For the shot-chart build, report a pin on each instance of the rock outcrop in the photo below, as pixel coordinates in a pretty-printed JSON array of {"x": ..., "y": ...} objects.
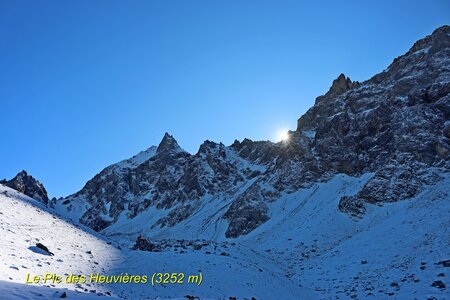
[{"x": 26, "y": 184}]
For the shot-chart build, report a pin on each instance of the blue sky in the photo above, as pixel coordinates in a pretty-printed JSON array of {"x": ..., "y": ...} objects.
[{"x": 84, "y": 84}]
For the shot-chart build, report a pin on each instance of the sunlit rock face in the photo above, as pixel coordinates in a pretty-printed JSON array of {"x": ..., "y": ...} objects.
[{"x": 394, "y": 125}]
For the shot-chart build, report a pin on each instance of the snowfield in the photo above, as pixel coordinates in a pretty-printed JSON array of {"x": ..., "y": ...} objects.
[
  {"x": 25, "y": 222},
  {"x": 393, "y": 252}
]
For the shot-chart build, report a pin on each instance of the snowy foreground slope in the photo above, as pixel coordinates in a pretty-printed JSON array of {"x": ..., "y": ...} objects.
[
  {"x": 307, "y": 250},
  {"x": 24, "y": 222}
]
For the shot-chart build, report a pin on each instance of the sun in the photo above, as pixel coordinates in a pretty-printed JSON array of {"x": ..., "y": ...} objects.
[{"x": 283, "y": 135}]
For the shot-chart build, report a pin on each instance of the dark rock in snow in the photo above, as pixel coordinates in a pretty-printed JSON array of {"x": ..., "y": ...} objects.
[
  {"x": 439, "y": 284},
  {"x": 42, "y": 247},
  {"x": 144, "y": 245},
  {"x": 445, "y": 263}
]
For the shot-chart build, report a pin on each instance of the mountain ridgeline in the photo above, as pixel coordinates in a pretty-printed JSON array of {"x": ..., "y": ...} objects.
[{"x": 394, "y": 126}]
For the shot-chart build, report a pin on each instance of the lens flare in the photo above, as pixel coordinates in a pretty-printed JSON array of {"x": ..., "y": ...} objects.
[{"x": 283, "y": 135}]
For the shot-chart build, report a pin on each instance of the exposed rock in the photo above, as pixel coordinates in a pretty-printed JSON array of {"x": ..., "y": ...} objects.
[
  {"x": 352, "y": 205},
  {"x": 42, "y": 247},
  {"x": 26, "y": 184},
  {"x": 341, "y": 85},
  {"x": 439, "y": 284},
  {"x": 445, "y": 263},
  {"x": 144, "y": 245},
  {"x": 169, "y": 145},
  {"x": 246, "y": 213}
]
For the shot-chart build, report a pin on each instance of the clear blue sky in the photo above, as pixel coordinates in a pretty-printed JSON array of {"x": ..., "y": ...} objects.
[{"x": 84, "y": 84}]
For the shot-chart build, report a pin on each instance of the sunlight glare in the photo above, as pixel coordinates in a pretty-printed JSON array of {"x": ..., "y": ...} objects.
[{"x": 283, "y": 135}]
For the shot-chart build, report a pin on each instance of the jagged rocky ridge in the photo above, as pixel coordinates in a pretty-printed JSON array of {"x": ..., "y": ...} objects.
[
  {"x": 394, "y": 125},
  {"x": 28, "y": 185}
]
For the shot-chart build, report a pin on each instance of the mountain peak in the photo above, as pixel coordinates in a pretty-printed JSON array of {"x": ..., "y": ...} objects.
[
  {"x": 22, "y": 173},
  {"x": 340, "y": 85},
  {"x": 168, "y": 144},
  {"x": 434, "y": 42},
  {"x": 27, "y": 185}
]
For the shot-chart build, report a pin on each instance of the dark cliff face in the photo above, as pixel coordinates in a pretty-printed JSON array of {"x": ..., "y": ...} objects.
[
  {"x": 394, "y": 125},
  {"x": 26, "y": 184}
]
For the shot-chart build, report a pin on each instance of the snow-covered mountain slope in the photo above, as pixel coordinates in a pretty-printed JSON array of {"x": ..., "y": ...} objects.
[
  {"x": 17, "y": 291},
  {"x": 394, "y": 251},
  {"x": 227, "y": 270},
  {"x": 24, "y": 222},
  {"x": 394, "y": 125}
]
